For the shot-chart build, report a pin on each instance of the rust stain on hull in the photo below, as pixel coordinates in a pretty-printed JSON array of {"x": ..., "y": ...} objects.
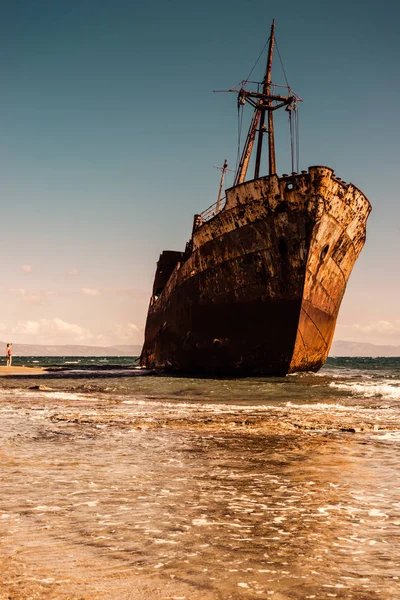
[{"x": 259, "y": 287}]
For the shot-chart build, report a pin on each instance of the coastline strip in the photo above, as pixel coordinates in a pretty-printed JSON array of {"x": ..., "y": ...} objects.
[{"x": 4, "y": 371}]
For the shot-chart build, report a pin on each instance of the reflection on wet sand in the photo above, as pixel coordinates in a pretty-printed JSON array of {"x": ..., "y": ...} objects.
[{"x": 116, "y": 498}]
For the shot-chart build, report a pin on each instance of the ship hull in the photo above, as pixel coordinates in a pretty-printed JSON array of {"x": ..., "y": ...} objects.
[{"x": 258, "y": 290}]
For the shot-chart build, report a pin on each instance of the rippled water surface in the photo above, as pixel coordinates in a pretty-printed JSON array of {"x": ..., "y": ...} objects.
[{"x": 118, "y": 484}]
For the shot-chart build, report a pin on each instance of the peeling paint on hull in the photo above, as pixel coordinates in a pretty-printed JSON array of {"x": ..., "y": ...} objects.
[{"x": 258, "y": 290}]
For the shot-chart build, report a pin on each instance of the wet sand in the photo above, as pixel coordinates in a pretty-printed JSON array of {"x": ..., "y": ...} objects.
[
  {"x": 103, "y": 497},
  {"x": 21, "y": 371}
]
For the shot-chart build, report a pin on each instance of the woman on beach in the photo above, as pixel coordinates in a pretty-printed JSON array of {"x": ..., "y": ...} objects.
[{"x": 9, "y": 355}]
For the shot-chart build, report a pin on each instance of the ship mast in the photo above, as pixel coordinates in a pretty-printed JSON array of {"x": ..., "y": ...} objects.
[
  {"x": 262, "y": 102},
  {"x": 261, "y": 130}
]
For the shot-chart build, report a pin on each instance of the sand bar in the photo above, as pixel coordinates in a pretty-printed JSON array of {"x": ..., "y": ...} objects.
[{"x": 21, "y": 370}]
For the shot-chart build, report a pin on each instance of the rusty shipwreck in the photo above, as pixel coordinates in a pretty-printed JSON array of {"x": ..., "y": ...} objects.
[{"x": 258, "y": 288}]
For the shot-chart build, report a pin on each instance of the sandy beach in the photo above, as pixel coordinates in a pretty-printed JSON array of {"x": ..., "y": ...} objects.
[
  {"x": 21, "y": 370},
  {"x": 164, "y": 488}
]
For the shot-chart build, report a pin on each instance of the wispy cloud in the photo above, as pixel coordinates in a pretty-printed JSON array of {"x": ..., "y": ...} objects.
[
  {"x": 47, "y": 331},
  {"x": 56, "y": 331},
  {"x": 26, "y": 268},
  {"x": 381, "y": 331},
  {"x": 133, "y": 292},
  {"x": 73, "y": 272},
  {"x": 90, "y": 292},
  {"x": 31, "y": 296},
  {"x": 128, "y": 333}
]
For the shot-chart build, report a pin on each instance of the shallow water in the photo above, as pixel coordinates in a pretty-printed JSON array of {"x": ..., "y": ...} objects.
[{"x": 119, "y": 485}]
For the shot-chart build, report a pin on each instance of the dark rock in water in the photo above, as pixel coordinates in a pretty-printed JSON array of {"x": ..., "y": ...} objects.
[{"x": 42, "y": 388}]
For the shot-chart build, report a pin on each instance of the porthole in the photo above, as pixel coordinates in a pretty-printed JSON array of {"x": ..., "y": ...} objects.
[
  {"x": 282, "y": 247},
  {"x": 290, "y": 186},
  {"x": 324, "y": 252}
]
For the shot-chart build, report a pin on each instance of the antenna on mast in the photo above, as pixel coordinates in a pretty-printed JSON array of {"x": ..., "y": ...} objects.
[{"x": 223, "y": 170}]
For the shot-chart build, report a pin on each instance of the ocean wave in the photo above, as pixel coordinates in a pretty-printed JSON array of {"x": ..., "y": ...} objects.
[
  {"x": 323, "y": 406},
  {"x": 55, "y": 395},
  {"x": 66, "y": 396},
  {"x": 225, "y": 408},
  {"x": 378, "y": 389},
  {"x": 389, "y": 435}
]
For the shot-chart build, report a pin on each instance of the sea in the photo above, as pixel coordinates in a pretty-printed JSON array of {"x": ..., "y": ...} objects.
[{"x": 117, "y": 482}]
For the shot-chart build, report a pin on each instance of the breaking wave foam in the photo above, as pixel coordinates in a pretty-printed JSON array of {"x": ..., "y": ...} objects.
[{"x": 370, "y": 390}]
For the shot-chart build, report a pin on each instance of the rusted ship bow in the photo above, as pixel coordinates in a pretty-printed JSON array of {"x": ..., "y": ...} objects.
[{"x": 258, "y": 289}]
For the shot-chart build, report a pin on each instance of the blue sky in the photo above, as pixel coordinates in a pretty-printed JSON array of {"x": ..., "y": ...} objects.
[{"x": 110, "y": 130}]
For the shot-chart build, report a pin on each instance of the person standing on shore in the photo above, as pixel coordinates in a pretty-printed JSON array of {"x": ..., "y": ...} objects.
[{"x": 9, "y": 355}]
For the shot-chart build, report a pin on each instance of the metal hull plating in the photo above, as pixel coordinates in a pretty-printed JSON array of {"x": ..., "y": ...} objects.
[{"x": 259, "y": 288}]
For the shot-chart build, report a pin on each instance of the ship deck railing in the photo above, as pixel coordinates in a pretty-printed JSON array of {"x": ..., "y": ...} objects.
[{"x": 212, "y": 210}]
